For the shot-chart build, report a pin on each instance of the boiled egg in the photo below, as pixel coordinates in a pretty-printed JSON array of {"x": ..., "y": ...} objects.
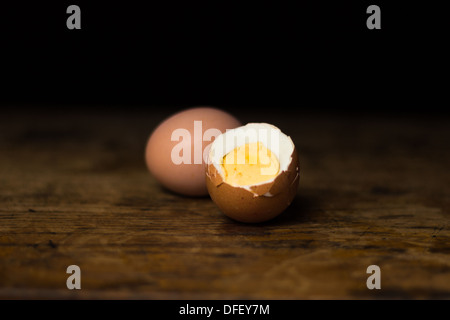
[
  {"x": 176, "y": 150},
  {"x": 253, "y": 172}
]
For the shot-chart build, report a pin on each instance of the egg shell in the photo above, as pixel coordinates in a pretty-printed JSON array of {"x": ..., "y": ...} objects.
[
  {"x": 256, "y": 205},
  {"x": 185, "y": 179}
]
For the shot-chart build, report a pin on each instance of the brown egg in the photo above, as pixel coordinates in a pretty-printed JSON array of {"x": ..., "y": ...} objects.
[
  {"x": 175, "y": 153},
  {"x": 240, "y": 191}
]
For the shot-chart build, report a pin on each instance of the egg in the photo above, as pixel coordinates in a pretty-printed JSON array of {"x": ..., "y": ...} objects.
[
  {"x": 253, "y": 172},
  {"x": 177, "y": 149}
]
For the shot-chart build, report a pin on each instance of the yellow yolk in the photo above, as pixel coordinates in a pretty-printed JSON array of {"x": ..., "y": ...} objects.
[{"x": 250, "y": 164}]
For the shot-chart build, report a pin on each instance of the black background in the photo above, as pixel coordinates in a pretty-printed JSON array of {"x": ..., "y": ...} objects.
[
  {"x": 351, "y": 309},
  {"x": 274, "y": 55},
  {"x": 280, "y": 56}
]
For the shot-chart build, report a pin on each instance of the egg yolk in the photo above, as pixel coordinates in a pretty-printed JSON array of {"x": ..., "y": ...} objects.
[{"x": 250, "y": 164}]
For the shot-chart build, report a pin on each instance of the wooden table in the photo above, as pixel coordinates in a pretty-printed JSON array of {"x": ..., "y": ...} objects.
[{"x": 74, "y": 190}]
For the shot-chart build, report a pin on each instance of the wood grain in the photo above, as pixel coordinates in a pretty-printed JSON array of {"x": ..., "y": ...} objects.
[{"x": 74, "y": 189}]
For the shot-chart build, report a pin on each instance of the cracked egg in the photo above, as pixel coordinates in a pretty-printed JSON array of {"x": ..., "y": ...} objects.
[{"x": 253, "y": 172}]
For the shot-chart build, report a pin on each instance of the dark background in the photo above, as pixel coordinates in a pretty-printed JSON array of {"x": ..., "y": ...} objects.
[
  {"x": 365, "y": 109},
  {"x": 277, "y": 55}
]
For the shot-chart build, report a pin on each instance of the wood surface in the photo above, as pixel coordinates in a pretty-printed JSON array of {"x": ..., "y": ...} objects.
[{"x": 74, "y": 190}]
